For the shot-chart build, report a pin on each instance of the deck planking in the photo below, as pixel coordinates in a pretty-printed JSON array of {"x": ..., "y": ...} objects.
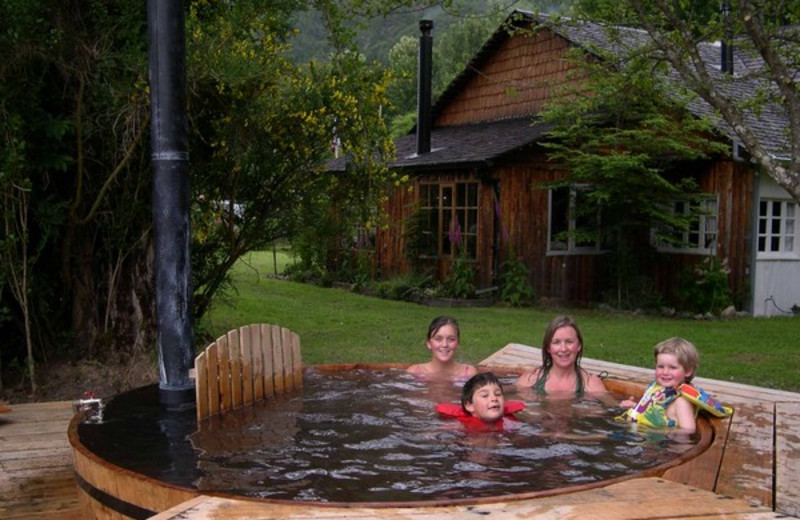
[
  {"x": 748, "y": 463},
  {"x": 635, "y": 499},
  {"x": 787, "y": 448},
  {"x": 36, "y": 477}
]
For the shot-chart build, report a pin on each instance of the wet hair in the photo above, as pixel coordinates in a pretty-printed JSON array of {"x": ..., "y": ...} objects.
[
  {"x": 439, "y": 322},
  {"x": 557, "y": 323},
  {"x": 685, "y": 352},
  {"x": 475, "y": 383}
]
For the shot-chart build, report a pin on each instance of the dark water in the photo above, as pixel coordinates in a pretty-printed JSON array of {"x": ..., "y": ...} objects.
[{"x": 371, "y": 435}]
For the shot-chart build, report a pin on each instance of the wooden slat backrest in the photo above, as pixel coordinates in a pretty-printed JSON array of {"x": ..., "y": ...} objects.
[
  {"x": 266, "y": 358},
  {"x": 235, "y": 363},
  {"x": 201, "y": 381},
  {"x": 277, "y": 361},
  {"x": 247, "y": 365},
  {"x": 224, "y": 374},
  {"x": 292, "y": 369},
  {"x": 256, "y": 364},
  {"x": 213, "y": 382},
  {"x": 246, "y": 355}
]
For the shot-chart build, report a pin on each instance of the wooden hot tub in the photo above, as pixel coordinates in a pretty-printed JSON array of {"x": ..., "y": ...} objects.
[{"x": 109, "y": 491}]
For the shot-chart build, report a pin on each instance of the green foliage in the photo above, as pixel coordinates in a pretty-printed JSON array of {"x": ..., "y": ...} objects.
[
  {"x": 628, "y": 154},
  {"x": 377, "y": 26},
  {"x": 515, "y": 284},
  {"x": 704, "y": 287},
  {"x": 415, "y": 243},
  {"x": 270, "y": 124},
  {"x": 638, "y": 293},
  {"x": 363, "y": 271},
  {"x": 410, "y": 287},
  {"x": 455, "y": 44},
  {"x": 74, "y": 113},
  {"x": 402, "y": 124},
  {"x": 73, "y": 108},
  {"x": 460, "y": 282},
  {"x": 676, "y": 31}
]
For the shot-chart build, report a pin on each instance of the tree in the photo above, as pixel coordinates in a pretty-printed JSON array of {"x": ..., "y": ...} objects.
[
  {"x": 74, "y": 128},
  {"x": 74, "y": 116},
  {"x": 622, "y": 153},
  {"x": 270, "y": 125},
  {"x": 14, "y": 248},
  {"x": 765, "y": 34},
  {"x": 454, "y": 46}
]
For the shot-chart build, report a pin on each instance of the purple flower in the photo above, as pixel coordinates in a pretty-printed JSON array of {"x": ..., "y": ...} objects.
[{"x": 456, "y": 233}]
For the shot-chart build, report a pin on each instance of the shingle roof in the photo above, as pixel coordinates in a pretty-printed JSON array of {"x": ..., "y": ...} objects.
[
  {"x": 471, "y": 144},
  {"x": 770, "y": 124}
]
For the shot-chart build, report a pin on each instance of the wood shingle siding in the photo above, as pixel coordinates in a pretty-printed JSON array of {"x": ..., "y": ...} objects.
[{"x": 518, "y": 80}]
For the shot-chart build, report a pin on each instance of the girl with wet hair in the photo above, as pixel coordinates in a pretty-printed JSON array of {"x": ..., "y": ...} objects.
[{"x": 443, "y": 341}]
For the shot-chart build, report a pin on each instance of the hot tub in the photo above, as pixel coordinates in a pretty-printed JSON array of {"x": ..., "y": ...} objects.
[{"x": 141, "y": 459}]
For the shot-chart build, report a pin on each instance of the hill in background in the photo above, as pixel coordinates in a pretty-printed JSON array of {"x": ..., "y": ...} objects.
[{"x": 379, "y": 35}]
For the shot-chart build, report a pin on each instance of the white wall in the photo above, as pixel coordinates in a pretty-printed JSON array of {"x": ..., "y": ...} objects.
[{"x": 776, "y": 281}]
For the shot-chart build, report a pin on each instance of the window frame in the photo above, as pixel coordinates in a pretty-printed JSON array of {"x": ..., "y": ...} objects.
[
  {"x": 451, "y": 202},
  {"x": 788, "y": 224},
  {"x": 570, "y": 224},
  {"x": 707, "y": 225}
]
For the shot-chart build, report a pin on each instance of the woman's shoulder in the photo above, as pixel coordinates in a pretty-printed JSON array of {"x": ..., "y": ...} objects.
[
  {"x": 529, "y": 377},
  {"x": 592, "y": 383}
]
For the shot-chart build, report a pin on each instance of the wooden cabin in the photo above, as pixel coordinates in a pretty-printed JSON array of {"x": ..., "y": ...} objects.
[{"x": 475, "y": 190}]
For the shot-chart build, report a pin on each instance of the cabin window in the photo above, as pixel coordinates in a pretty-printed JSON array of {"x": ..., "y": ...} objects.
[
  {"x": 572, "y": 229},
  {"x": 777, "y": 228},
  {"x": 700, "y": 236},
  {"x": 449, "y": 223}
]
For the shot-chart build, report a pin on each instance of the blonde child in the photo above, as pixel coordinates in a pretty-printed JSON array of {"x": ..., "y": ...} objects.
[{"x": 662, "y": 405}]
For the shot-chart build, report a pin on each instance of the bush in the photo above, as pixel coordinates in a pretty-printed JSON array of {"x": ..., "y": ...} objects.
[
  {"x": 638, "y": 292},
  {"x": 515, "y": 286},
  {"x": 460, "y": 283},
  {"x": 704, "y": 287},
  {"x": 406, "y": 288}
]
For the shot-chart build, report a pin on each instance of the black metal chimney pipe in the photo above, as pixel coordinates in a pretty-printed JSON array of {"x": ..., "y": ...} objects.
[
  {"x": 171, "y": 233},
  {"x": 726, "y": 54},
  {"x": 424, "y": 116}
]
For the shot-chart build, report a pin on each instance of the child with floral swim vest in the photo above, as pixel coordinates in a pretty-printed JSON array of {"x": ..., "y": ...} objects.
[
  {"x": 672, "y": 401},
  {"x": 483, "y": 406}
]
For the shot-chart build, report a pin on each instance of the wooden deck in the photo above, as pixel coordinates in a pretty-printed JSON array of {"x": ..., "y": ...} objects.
[
  {"x": 36, "y": 479},
  {"x": 751, "y": 471}
]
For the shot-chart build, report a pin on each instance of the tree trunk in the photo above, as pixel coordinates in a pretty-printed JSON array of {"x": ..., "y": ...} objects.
[{"x": 114, "y": 305}]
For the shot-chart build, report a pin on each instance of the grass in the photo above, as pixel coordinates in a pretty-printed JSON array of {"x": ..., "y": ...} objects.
[{"x": 337, "y": 326}]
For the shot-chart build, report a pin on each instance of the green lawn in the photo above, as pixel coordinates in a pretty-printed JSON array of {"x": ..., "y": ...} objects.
[{"x": 337, "y": 326}]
